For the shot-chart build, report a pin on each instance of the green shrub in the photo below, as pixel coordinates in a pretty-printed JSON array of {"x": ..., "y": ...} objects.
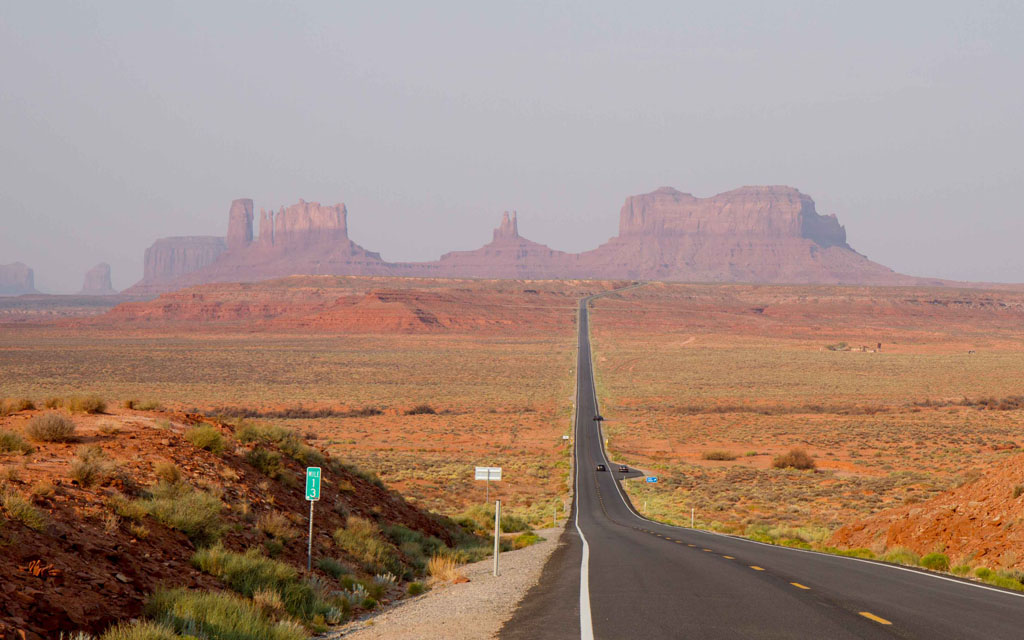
[
  {"x": 961, "y": 569},
  {"x": 131, "y": 509},
  {"x": 218, "y": 615},
  {"x": 276, "y": 525},
  {"x": 51, "y": 427},
  {"x": 794, "y": 459},
  {"x": 1018, "y": 490},
  {"x": 524, "y": 540},
  {"x": 206, "y": 437},
  {"x": 416, "y": 588},
  {"x": 289, "y": 442},
  {"x": 91, "y": 466},
  {"x": 144, "y": 405},
  {"x": 480, "y": 518},
  {"x": 935, "y": 562},
  {"x": 1000, "y": 579},
  {"x": 267, "y": 462},
  {"x": 273, "y": 547},
  {"x": 194, "y": 513},
  {"x": 168, "y": 472},
  {"x": 140, "y": 630},
  {"x": 331, "y": 567},
  {"x": 53, "y": 402},
  {"x": 11, "y": 442},
  {"x": 902, "y": 556},
  {"x": 18, "y": 508},
  {"x": 421, "y": 409},
  {"x": 250, "y": 572},
  {"x": 87, "y": 404},
  {"x": 718, "y": 454},
  {"x": 361, "y": 539}
]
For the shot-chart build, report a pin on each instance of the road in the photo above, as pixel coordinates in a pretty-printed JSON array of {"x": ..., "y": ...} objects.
[{"x": 618, "y": 575}]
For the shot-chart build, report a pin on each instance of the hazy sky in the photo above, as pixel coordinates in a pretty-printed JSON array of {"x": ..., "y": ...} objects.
[{"x": 121, "y": 122}]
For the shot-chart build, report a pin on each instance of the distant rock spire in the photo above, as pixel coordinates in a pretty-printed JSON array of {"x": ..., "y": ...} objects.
[
  {"x": 509, "y": 227},
  {"x": 240, "y": 224},
  {"x": 97, "y": 281}
]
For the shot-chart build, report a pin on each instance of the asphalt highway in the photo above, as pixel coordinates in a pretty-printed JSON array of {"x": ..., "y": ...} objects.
[{"x": 619, "y": 575}]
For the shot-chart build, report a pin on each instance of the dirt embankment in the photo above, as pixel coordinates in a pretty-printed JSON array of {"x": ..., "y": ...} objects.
[
  {"x": 978, "y": 523},
  {"x": 79, "y": 562}
]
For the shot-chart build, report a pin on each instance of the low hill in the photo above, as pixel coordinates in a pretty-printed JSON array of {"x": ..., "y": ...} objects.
[
  {"x": 126, "y": 504},
  {"x": 977, "y": 524}
]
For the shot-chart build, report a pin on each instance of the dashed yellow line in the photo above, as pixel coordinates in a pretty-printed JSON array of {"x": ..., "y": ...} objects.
[
  {"x": 871, "y": 616},
  {"x": 708, "y": 550},
  {"x": 692, "y": 545},
  {"x": 756, "y": 568},
  {"x": 729, "y": 557},
  {"x": 800, "y": 586}
]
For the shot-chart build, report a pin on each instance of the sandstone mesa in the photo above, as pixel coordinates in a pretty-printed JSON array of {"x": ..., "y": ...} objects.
[{"x": 768, "y": 234}]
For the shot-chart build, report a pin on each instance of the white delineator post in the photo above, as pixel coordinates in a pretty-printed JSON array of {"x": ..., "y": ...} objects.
[
  {"x": 309, "y": 550},
  {"x": 497, "y": 534},
  {"x": 691, "y": 517}
]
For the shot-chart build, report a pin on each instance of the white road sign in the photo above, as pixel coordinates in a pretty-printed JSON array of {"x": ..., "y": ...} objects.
[{"x": 488, "y": 473}]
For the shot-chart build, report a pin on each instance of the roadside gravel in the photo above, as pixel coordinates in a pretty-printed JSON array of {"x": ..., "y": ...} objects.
[{"x": 469, "y": 611}]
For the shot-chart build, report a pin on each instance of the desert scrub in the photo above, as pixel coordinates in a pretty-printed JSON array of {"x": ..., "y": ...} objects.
[
  {"x": 11, "y": 442},
  {"x": 206, "y": 437},
  {"x": 718, "y": 454},
  {"x": 250, "y": 572},
  {"x": 18, "y": 508},
  {"x": 167, "y": 471},
  {"x": 276, "y": 525},
  {"x": 208, "y": 614},
  {"x": 51, "y": 427},
  {"x": 142, "y": 405},
  {"x": 421, "y": 409},
  {"x": 524, "y": 540},
  {"x": 795, "y": 458},
  {"x": 332, "y": 567},
  {"x": 266, "y": 461},
  {"x": 902, "y": 556},
  {"x": 91, "y": 466},
  {"x": 361, "y": 539},
  {"x": 416, "y": 588},
  {"x": 182, "y": 507},
  {"x": 138, "y": 630},
  {"x": 480, "y": 519},
  {"x": 935, "y": 562},
  {"x": 86, "y": 404},
  {"x": 7, "y": 407},
  {"x": 443, "y": 568},
  {"x": 999, "y": 579},
  {"x": 286, "y": 440},
  {"x": 414, "y": 545}
]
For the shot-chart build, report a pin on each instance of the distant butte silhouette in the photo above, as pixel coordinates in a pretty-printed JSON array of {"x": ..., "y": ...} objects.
[{"x": 767, "y": 234}]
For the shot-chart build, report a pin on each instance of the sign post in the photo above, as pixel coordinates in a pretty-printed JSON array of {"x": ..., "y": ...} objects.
[
  {"x": 488, "y": 474},
  {"x": 312, "y": 494},
  {"x": 652, "y": 479},
  {"x": 497, "y": 534}
]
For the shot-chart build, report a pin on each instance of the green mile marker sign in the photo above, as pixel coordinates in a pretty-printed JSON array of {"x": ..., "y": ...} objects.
[{"x": 312, "y": 483}]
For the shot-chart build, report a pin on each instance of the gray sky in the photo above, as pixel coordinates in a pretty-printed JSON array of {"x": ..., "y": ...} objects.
[{"x": 121, "y": 122}]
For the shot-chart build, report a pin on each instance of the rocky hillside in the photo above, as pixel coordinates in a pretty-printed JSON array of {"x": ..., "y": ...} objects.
[
  {"x": 977, "y": 524},
  {"x": 753, "y": 234},
  {"x": 100, "y": 509}
]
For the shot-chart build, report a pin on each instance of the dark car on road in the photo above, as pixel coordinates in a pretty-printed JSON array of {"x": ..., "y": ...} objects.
[
  {"x": 601, "y": 467},
  {"x": 623, "y": 468}
]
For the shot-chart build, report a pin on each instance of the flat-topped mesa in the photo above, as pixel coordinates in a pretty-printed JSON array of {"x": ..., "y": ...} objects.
[
  {"x": 16, "y": 278},
  {"x": 97, "y": 281},
  {"x": 169, "y": 258},
  {"x": 308, "y": 223},
  {"x": 508, "y": 229},
  {"x": 765, "y": 212},
  {"x": 240, "y": 224}
]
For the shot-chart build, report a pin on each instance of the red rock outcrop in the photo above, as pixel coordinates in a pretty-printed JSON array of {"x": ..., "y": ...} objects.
[
  {"x": 240, "y": 224},
  {"x": 752, "y": 234},
  {"x": 972, "y": 523},
  {"x": 16, "y": 278},
  {"x": 97, "y": 281}
]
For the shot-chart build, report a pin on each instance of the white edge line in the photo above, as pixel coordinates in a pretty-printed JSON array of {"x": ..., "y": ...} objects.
[
  {"x": 886, "y": 565},
  {"x": 586, "y": 619}
]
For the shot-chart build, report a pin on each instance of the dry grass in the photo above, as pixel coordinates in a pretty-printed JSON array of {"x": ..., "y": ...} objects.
[
  {"x": 51, "y": 427},
  {"x": 794, "y": 459},
  {"x": 443, "y": 568}
]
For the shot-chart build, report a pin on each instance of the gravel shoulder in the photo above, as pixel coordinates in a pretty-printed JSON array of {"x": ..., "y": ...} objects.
[{"x": 469, "y": 611}]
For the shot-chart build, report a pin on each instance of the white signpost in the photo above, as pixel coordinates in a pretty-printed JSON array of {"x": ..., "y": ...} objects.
[
  {"x": 312, "y": 494},
  {"x": 487, "y": 474}
]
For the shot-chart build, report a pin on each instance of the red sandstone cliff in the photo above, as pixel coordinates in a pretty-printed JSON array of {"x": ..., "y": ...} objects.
[
  {"x": 97, "y": 281},
  {"x": 752, "y": 234}
]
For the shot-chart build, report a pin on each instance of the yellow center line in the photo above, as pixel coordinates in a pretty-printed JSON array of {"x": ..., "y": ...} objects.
[
  {"x": 871, "y": 616},
  {"x": 708, "y": 550},
  {"x": 756, "y": 568},
  {"x": 691, "y": 545},
  {"x": 729, "y": 557},
  {"x": 800, "y": 586},
  {"x": 678, "y": 541}
]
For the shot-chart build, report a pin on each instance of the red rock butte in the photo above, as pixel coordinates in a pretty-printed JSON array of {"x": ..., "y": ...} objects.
[{"x": 767, "y": 234}]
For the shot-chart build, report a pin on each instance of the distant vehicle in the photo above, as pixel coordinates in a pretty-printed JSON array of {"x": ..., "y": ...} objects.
[
  {"x": 598, "y": 418},
  {"x": 623, "y": 468},
  {"x": 601, "y": 467}
]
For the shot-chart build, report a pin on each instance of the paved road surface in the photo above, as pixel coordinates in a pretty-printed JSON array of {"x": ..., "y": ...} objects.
[{"x": 618, "y": 575}]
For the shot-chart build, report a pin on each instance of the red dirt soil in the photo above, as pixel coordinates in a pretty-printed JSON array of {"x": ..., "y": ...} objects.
[
  {"x": 86, "y": 569},
  {"x": 978, "y": 523}
]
